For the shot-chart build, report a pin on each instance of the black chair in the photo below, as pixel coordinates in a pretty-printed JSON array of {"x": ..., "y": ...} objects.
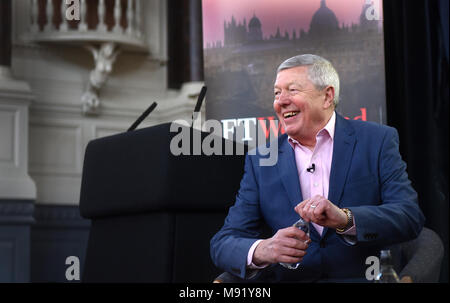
[
  {"x": 420, "y": 259},
  {"x": 153, "y": 214},
  {"x": 417, "y": 261}
]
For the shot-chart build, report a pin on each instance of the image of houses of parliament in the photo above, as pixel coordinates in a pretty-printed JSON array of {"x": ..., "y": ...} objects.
[{"x": 240, "y": 72}]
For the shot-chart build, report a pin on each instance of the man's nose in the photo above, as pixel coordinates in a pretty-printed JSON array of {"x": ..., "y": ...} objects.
[{"x": 284, "y": 98}]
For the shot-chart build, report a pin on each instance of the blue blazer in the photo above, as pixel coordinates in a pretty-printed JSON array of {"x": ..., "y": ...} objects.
[{"x": 367, "y": 176}]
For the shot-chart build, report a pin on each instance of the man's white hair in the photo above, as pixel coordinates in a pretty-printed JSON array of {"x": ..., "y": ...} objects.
[{"x": 320, "y": 72}]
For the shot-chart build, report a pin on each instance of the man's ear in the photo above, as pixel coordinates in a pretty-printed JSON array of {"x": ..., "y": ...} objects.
[{"x": 329, "y": 97}]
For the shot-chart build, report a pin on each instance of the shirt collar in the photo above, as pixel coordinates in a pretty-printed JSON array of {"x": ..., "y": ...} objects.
[{"x": 329, "y": 128}]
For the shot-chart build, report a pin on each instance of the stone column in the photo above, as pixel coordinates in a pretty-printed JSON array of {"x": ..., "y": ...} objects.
[{"x": 17, "y": 189}]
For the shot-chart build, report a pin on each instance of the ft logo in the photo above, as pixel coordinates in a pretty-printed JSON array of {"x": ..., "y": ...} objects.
[
  {"x": 73, "y": 271},
  {"x": 374, "y": 268},
  {"x": 373, "y": 11}
]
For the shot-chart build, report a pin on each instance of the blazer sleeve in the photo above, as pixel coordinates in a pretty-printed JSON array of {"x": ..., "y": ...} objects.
[
  {"x": 398, "y": 217},
  {"x": 230, "y": 246}
]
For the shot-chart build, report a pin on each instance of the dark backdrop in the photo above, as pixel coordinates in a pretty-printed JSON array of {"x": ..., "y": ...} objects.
[
  {"x": 417, "y": 87},
  {"x": 5, "y": 32}
]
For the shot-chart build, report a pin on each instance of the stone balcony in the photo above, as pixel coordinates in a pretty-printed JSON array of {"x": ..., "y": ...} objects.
[
  {"x": 103, "y": 27},
  {"x": 100, "y": 21}
]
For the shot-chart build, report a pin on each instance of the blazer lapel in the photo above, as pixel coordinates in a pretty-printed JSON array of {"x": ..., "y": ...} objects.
[
  {"x": 344, "y": 143},
  {"x": 287, "y": 169}
]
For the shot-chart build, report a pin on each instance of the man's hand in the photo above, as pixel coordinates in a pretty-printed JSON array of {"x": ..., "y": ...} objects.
[
  {"x": 321, "y": 211},
  {"x": 288, "y": 245}
]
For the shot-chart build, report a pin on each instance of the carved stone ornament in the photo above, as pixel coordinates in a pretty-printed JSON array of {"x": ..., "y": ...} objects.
[{"x": 104, "y": 57}]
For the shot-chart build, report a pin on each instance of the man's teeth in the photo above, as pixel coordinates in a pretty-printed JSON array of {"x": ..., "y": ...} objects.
[{"x": 290, "y": 114}]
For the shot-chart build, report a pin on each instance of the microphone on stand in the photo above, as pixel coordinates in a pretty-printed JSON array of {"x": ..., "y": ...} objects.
[
  {"x": 201, "y": 96},
  {"x": 142, "y": 117}
]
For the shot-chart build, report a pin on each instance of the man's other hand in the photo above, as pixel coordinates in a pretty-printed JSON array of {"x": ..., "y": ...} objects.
[{"x": 288, "y": 245}]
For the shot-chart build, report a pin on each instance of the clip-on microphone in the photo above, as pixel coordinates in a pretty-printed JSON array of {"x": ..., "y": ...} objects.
[{"x": 311, "y": 169}]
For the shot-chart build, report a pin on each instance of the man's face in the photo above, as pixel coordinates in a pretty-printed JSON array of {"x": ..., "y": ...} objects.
[{"x": 302, "y": 109}]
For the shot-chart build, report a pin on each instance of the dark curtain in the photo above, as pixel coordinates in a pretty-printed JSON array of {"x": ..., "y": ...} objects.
[
  {"x": 5, "y": 32},
  {"x": 185, "y": 46},
  {"x": 417, "y": 86}
]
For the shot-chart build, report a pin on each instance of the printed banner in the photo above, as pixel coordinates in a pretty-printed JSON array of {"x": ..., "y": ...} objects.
[{"x": 245, "y": 42}]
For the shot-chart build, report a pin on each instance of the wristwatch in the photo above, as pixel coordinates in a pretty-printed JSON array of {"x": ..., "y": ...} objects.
[{"x": 349, "y": 214}]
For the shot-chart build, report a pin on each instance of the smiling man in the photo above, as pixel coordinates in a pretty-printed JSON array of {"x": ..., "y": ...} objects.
[{"x": 345, "y": 177}]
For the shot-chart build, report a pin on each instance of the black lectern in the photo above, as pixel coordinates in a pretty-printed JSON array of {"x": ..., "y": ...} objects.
[{"x": 153, "y": 213}]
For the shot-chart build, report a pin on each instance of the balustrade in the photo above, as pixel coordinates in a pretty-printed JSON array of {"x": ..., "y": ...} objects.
[
  {"x": 104, "y": 27},
  {"x": 118, "y": 21}
]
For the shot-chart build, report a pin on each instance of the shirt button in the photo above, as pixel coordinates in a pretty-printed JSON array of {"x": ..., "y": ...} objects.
[{"x": 316, "y": 184}]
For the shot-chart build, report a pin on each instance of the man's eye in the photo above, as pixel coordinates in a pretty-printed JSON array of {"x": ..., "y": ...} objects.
[{"x": 276, "y": 93}]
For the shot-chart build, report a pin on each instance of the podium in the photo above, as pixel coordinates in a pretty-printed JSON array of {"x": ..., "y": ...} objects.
[{"x": 152, "y": 213}]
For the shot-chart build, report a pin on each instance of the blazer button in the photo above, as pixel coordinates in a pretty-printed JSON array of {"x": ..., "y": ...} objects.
[{"x": 322, "y": 244}]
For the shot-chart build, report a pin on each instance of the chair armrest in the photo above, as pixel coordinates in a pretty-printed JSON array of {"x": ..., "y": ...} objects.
[{"x": 424, "y": 257}]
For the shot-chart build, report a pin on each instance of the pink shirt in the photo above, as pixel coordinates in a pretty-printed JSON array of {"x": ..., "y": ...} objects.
[{"x": 317, "y": 182}]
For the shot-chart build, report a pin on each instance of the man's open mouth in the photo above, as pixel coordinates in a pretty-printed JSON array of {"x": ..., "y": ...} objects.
[{"x": 290, "y": 114}]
